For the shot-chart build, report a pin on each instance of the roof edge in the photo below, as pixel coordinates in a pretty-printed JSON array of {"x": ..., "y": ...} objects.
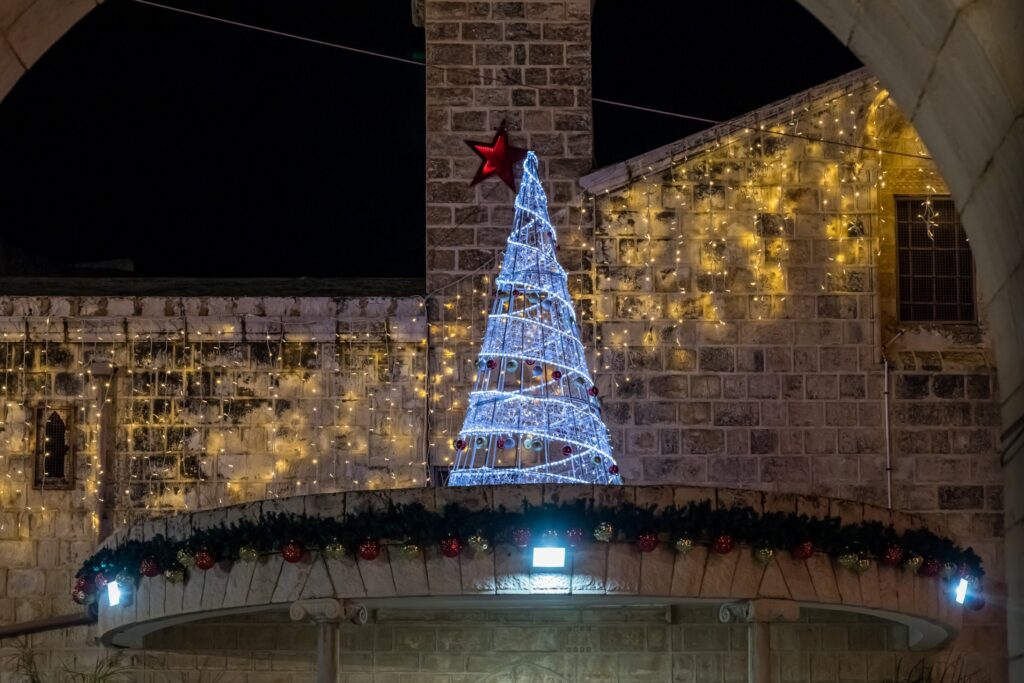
[{"x": 622, "y": 173}]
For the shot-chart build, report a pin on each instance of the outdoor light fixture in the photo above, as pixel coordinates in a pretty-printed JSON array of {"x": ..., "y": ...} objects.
[
  {"x": 114, "y": 593},
  {"x": 548, "y": 558},
  {"x": 961, "y": 591}
]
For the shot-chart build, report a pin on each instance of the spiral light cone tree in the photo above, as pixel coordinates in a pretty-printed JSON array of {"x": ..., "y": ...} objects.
[{"x": 534, "y": 415}]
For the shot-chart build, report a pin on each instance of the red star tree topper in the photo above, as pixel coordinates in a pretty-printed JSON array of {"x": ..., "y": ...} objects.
[{"x": 499, "y": 158}]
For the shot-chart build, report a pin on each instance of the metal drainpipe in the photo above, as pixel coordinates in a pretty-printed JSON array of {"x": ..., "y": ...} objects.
[{"x": 888, "y": 442}]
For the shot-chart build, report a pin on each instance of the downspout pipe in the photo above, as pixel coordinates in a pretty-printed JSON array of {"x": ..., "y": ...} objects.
[{"x": 888, "y": 439}]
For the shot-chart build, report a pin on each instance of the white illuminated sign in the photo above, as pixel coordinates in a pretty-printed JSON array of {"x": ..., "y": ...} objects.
[
  {"x": 113, "y": 593},
  {"x": 961, "y": 591},
  {"x": 549, "y": 558}
]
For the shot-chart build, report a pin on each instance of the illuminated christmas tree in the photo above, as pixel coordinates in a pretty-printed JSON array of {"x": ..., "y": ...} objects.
[{"x": 534, "y": 415}]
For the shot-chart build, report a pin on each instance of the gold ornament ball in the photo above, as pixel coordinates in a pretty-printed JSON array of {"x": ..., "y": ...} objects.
[
  {"x": 479, "y": 543},
  {"x": 764, "y": 555},
  {"x": 913, "y": 563},
  {"x": 861, "y": 565},
  {"x": 248, "y": 553},
  {"x": 174, "y": 575},
  {"x": 684, "y": 545},
  {"x": 185, "y": 558},
  {"x": 604, "y": 532},
  {"x": 334, "y": 551},
  {"x": 847, "y": 560},
  {"x": 411, "y": 549}
]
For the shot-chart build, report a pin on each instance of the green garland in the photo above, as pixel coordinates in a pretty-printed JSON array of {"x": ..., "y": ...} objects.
[{"x": 415, "y": 524}]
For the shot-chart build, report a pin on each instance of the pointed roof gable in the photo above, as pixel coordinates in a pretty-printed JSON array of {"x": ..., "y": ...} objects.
[{"x": 623, "y": 173}]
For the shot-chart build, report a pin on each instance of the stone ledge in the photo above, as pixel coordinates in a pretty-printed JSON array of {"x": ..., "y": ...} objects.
[{"x": 610, "y": 572}]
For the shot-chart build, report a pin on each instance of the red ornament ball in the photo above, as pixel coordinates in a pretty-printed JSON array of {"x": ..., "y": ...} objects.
[
  {"x": 930, "y": 567},
  {"x": 592, "y": 391},
  {"x": 515, "y": 292},
  {"x": 369, "y": 549},
  {"x": 802, "y": 551},
  {"x": 614, "y": 469},
  {"x": 557, "y": 374},
  {"x": 530, "y": 362},
  {"x": 566, "y": 450},
  {"x": 100, "y": 580},
  {"x": 85, "y": 585},
  {"x": 149, "y": 567},
  {"x": 459, "y": 444},
  {"x": 451, "y": 546},
  {"x": 722, "y": 544},
  {"x": 574, "y": 536},
  {"x": 893, "y": 555},
  {"x": 292, "y": 551},
  {"x": 204, "y": 559},
  {"x": 521, "y": 537},
  {"x": 491, "y": 363},
  {"x": 646, "y": 542}
]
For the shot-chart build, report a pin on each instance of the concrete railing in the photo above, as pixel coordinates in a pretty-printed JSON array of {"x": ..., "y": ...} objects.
[{"x": 601, "y": 572}]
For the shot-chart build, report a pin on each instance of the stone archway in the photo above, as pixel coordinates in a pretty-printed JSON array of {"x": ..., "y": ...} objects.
[{"x": 957, "y": 71}]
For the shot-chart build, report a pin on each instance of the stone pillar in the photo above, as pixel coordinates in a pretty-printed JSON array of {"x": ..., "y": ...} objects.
[
  {"x": 759, "y": 614},
  {"x": 525, "y": 62},
  {"x": 327, "y": 614},
  {"x": 107, "y": 447}
]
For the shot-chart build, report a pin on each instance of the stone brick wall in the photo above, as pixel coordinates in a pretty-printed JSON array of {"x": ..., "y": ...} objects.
[
  {"x": 202, "y": 402},
  {"x": 744, "y": 289}
]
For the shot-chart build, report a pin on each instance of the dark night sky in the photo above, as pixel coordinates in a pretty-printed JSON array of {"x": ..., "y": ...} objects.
[{"x": 200, "y": 149}]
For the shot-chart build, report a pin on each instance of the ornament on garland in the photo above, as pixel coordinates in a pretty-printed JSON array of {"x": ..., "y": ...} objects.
[
  {"x": 892, "y": 555},
  {"x": 552, "y": 423},
  {"x": 292, "y": 552},
  {"x": 185, "y": 558},
  {"x": 410, "y": 549},
  {"x": 80, "y": 597},
  {"x": 802, "y": 551},
  {"x": 85, "y": 585},
  {"x": 369, "y": 549},
  {"x": 521, "y": 537},
  {"x": 974, "y": 602},
  {"x": 764, "y": 554},
  {"x": 451, "y": 546},
  {"x": 722, "y": 544},
  {"x": 248, "y": 553},
  {"x": 847, "y": 560},
  {"x": 646, "y": 542},
  {"x": 913, "y": 563},
  {"x": 174, "y": 575},
  {"x": 604, "y": 532},
  {"x": 498, "y": 158},
  {"x": 100, "y": 580},
  {"x": 929, "y": 568},
  {"x": 334, "y": 551},
  {"x": 948, "y": 570},
  {"x": 478, "y": 543},
  {"x": 861, "y": 565},
  {"x": 149, "y": 567},
  {"x": 684, "y": 544},
  {"x": 204, "y": 559}
]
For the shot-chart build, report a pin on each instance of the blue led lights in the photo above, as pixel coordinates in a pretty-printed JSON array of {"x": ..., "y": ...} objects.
[{"x": 534, "y": 416}]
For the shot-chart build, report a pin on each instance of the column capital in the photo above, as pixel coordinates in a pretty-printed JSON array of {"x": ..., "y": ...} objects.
[
  {"x": 320, "y": 610},
  {"x": 759, "y": 611}
]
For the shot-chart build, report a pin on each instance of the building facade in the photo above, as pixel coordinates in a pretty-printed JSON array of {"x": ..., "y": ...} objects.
[{"x": 780, "y": 305}]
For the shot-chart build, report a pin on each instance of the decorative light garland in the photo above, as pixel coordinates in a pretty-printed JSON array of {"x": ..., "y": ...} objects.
[{"x": 415, "y": 529}]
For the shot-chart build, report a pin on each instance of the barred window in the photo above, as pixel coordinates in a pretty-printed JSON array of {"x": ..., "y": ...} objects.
[
  {"x": 934, "y": 264},
  {"x": 55, "y": 450}
]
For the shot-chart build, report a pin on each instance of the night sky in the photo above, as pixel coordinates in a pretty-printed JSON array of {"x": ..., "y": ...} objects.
[{"x": 200, "y": 149}]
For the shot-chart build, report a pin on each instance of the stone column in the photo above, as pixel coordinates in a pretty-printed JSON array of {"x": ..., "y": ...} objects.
[
  {"x": 759, "y": 614},
  {"x": 527, "y": 63},
  {"x": 327, "y": 614},
  {"x": 107, "y": 447}
]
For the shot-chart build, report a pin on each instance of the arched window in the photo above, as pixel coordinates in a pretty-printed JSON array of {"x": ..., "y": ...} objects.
[{"x": 54, "y": 461}]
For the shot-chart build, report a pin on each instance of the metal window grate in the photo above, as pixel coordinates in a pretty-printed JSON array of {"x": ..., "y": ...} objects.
[
  {"x": 936, "y": 272},
  {"x": 54, "y": 448}
]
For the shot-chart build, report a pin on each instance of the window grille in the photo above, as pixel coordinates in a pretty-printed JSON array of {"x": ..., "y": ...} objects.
[
  {"x": 934, "y": 264},
  {"x": 55, "y": 447}
]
